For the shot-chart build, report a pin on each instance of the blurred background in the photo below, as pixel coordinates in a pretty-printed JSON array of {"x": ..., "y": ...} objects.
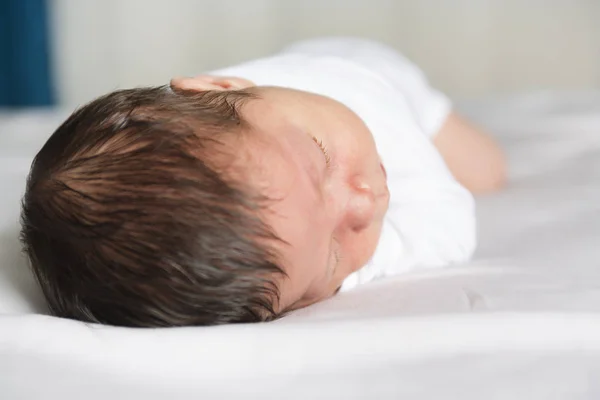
[{"x": 68, "y": 51}]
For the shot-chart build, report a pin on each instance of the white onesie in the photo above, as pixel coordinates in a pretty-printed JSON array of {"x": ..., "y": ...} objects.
[{"x": 431, "y": 218}]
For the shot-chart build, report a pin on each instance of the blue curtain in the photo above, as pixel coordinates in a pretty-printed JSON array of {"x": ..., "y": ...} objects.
[{"x": 25, "y": 76}]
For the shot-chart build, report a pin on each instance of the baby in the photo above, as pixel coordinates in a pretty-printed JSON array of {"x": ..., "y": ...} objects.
[{"x": 252, "y": 191}]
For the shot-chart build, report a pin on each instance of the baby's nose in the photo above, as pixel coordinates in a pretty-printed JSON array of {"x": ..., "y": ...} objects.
[{"x": 361, "y": 206}]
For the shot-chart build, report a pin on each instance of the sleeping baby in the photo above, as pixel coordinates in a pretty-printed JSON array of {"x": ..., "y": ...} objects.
[{"x": 252, "y": 191}]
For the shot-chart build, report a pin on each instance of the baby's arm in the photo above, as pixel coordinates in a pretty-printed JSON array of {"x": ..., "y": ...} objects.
[{"x": 473, "y": 157}]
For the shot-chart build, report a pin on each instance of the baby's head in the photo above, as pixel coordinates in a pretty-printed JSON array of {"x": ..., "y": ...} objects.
[{"x": 212, "y": 203}]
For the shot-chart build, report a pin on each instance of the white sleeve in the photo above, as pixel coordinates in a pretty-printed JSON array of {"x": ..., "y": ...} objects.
[
  {"x": 431, "y": 219},
  {"x": 429, "y": 106}
]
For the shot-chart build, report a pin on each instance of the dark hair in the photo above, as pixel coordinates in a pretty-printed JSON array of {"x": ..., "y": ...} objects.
[{"x": 126, "y": 221}]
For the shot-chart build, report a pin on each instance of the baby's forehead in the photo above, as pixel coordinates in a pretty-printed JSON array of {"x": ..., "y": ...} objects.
[{"x": 282, "y": 168}]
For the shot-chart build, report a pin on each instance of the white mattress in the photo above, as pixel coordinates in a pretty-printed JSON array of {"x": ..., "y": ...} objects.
[{"x": 521, "y": 321}]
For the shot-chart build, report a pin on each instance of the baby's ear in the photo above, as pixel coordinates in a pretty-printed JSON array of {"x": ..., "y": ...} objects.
[{"x": 202, "y": 83}]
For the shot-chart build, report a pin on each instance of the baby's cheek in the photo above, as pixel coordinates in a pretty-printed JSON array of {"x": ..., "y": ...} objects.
[{"x": 361, "y": 246}]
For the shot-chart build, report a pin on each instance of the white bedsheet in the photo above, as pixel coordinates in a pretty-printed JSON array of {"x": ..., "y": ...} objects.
[{"x": 522, "y": 321}]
